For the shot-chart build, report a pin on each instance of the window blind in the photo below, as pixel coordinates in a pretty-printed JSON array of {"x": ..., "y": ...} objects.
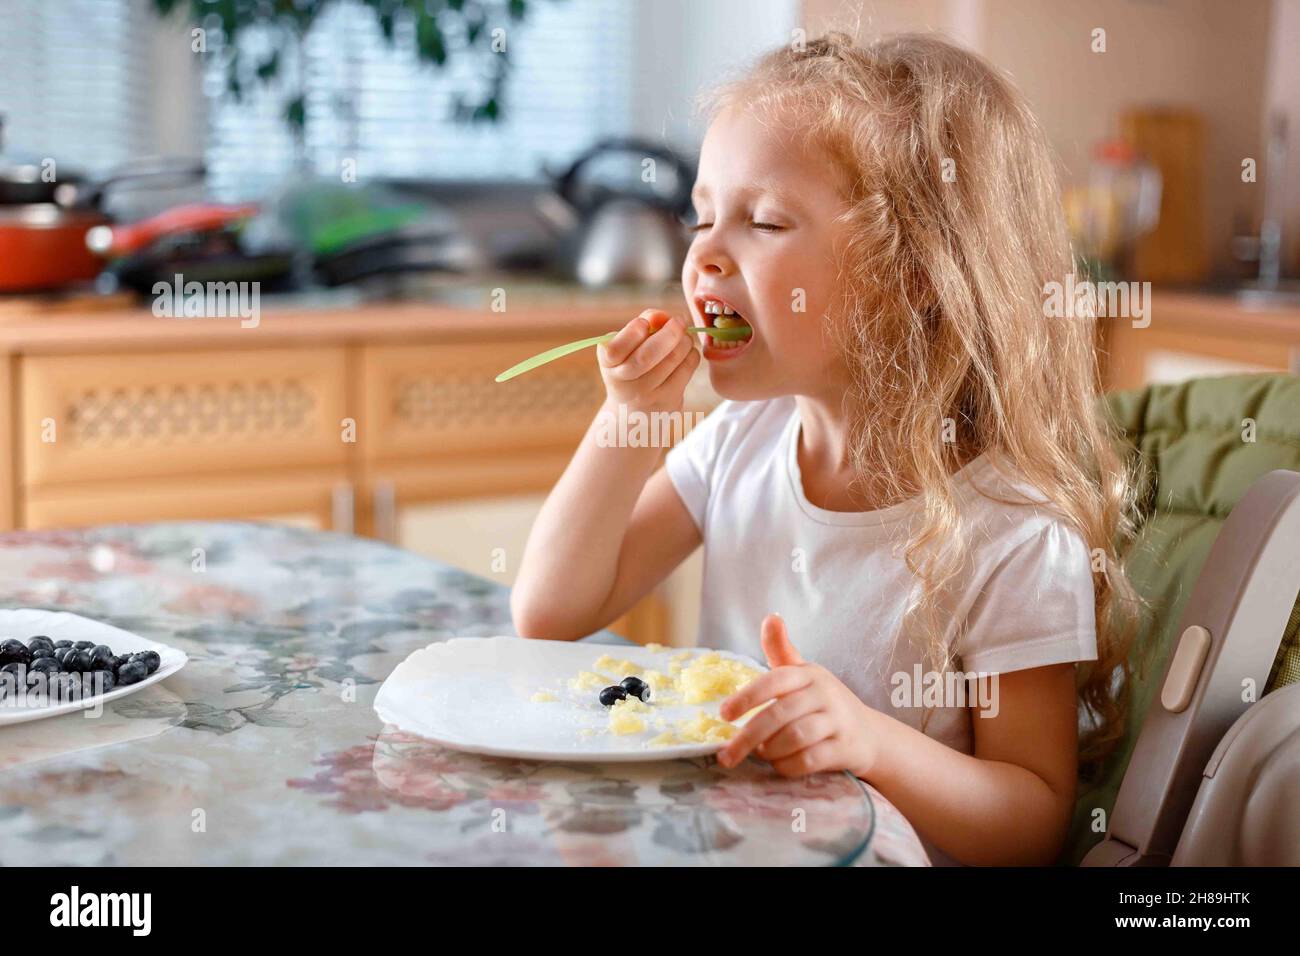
[
  {"x": 71, "y": 87},
  {"x": 374, "y": 104}
]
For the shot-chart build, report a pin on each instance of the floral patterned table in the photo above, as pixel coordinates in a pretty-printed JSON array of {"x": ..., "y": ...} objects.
[{"x": 265, "y": 749}]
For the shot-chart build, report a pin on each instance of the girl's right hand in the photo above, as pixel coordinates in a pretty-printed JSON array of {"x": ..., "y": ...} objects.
[{"x": 647, "y": 365}]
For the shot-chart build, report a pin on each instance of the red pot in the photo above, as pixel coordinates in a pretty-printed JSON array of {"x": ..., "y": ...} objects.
[{"x": 43, "y": 246}]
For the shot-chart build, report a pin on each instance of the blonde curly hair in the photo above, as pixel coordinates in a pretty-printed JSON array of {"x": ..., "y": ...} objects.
[{"x": 955, "y": 224}]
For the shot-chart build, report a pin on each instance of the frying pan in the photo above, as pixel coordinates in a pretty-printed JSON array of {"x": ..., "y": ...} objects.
[{"x": 404, "y": 250}]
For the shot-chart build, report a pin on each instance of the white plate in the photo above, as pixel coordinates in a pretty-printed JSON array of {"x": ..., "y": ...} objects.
[
  {"x": 25, "y": 623},
  {"x": 474, "y": 694}
]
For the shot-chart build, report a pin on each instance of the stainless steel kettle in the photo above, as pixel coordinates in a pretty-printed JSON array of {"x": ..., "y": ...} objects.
[{"x": 624, "y": 233}]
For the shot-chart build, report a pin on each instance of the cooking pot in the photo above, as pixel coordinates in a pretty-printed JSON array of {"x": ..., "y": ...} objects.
[{"x": 46, "y": 212}]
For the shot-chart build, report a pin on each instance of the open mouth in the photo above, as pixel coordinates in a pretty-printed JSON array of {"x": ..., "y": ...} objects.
[{"x": 718, "y": 314}]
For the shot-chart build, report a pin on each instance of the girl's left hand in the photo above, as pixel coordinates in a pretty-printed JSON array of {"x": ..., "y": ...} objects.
[{"x": 814, "y": 722}]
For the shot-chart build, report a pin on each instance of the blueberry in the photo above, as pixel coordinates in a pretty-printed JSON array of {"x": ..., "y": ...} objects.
[
  {"x": 12, "y": 677},
  {"x": 40, "y": 643},
  {"x": 612, "y": 695},
  {"x": 132, "y": 672},
  {"x": 84, "y": 645},
  {"x": 150, "y": 658},
  {"x": 79, "y": 661},
  {"x": 14, "y": 652},
  {"x": 64, "y": 654},
  {"x": 38, "y": 683},
  {"x": 101, "y": 655},
  {"x": 60, "y": 645},
  {"x": 67, "y": 686},
  {"x": 636, "y": 687},
  {"x": 120, "y": 660},
  {"x": 46, "y": 665},
  {"x": 43, "y": 652},
  {"x": 100, "y": 682}
]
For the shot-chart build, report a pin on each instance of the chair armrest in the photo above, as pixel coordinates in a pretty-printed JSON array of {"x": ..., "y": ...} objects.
[{"x": 1242, "y": 599}]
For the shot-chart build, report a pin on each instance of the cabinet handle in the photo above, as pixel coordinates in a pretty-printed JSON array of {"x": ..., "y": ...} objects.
[
  {"x": 385, "y": 505},
  {"x": 342, "y": 508}
]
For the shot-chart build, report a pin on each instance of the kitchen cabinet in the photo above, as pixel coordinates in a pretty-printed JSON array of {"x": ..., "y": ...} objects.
[
  {"x": 456, "y": 467},
  {"x": 114, "y": 418},
  {"x": 383, "y": 422},
  {"x": 1192, "y": 335},
  {"x": 439, "y": 401},
  {"x": 311, "y": 500},
  {"x": 486, "y": 536},
  {"x": 1158, "y": 356}
]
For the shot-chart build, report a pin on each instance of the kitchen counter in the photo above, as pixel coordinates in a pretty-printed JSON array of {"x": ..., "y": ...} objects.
[
  {"x": 465, "y": 313},
  {"x": 265, "y": 748},
  {"x": 1207, "y": 311},
  {"x": 33, "y": 326},
  {"x": 1192, "y": 333},
  {"x": 352, "y": 415}
]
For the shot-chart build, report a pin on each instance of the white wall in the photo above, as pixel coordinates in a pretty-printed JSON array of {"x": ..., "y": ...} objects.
[
  {"x": 177, "y": 106},
  {"x": 1206, "y": 54},
  {"x": 687, "y": 46}
]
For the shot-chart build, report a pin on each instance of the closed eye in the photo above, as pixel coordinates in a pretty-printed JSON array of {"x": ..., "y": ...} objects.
[{"x": 761, "y": 226}]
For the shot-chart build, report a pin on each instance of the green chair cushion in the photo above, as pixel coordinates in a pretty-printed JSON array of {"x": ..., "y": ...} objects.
[{"x": 1202, "y": 445}]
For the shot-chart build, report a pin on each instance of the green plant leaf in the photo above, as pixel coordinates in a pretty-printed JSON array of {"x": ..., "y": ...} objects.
[
  {"x": 429, "y": 40},
  {"x": 295, "y": 113},
  {"x": 269, "y": 67},
  {"x": 434, "y": 20}
]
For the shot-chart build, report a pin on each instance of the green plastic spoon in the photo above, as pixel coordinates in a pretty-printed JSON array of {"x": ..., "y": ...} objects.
[{"x": 733, "y": 334}]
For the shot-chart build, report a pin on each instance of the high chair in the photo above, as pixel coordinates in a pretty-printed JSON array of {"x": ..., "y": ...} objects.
[{"x": 1208, "y": 771}]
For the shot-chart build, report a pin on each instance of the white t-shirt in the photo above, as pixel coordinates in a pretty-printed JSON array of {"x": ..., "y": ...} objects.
[{"x": 840, "y": 581}]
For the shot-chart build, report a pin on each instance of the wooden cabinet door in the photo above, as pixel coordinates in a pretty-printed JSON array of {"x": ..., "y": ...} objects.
[
  {"x": 440, "y": 401},
  {"x": 484, "y": 535},
  {"x": 320, "y": 501},
  {"x": 1153, "y": 356},
  {"x": 455, "y": 466},
  {"x": 113, "y": 417}
]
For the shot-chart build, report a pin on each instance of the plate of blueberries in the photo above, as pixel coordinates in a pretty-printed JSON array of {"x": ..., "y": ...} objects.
[{"x": 54, "y": 662}]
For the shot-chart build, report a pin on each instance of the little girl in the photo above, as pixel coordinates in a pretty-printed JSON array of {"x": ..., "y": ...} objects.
[{"x": 909, "y": 480}]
